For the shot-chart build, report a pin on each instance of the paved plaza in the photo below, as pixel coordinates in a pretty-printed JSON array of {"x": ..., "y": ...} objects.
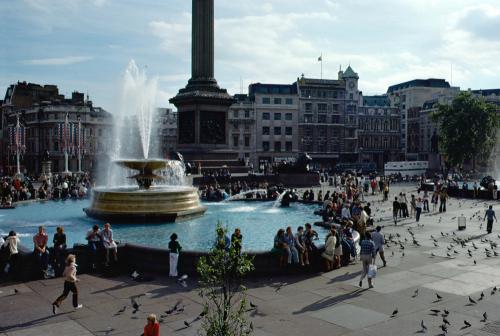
[{"x": 323, "y": 304}]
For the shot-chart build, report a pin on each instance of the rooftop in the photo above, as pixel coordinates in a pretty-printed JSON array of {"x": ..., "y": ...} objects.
[
  {"x": 376, "y": 101},
  {"x": 271, "y": 89},
  {"x": 431, "y": 82}
]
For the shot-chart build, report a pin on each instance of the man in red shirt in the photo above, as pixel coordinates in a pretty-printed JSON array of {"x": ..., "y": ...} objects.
[{"x": 40, "y": 249}]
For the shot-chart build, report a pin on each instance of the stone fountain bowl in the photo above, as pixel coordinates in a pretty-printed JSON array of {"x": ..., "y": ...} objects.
[{"x": 144, "y": 165}]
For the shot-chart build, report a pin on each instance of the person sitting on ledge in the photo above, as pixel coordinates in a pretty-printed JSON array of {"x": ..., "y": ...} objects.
[
  {"x": 328, "y": 254},
  {"x": 222, "y": 241},
  {"x": 280, "y": 247},
  {"x": 237, "y": 240},
  {"x": 94, "y": 242},
  {"x": 41, "y": 252},
  {"x": 59, "y": 250},
  {"x": 301, "y": 246},
  {"x": 108, "y": 243},
  {"x": 309, "y": 236},
  {"x": 293, "y": 254}
]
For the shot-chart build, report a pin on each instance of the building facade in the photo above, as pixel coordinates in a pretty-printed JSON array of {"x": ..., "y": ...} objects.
[
  {"x": 166, "y": 138},
  {"x": 276, "y": 109},
  {"x": 41, "y": 110},
  {"x": 242, "y": 132},
  {"x": 410, "y": 97},
  {"x": 379, "y": 131},
  {"x": 328, "y": 118}
]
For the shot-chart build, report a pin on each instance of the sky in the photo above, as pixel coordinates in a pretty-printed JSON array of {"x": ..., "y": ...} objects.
[{"x": 85, "y": 45}]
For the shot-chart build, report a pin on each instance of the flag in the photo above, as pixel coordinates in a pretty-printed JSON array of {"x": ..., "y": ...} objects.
[{"x": 320, "y": 58}]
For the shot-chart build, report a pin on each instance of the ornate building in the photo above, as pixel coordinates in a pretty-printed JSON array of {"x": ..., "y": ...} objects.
[
  {"x": 328, "y": 118},
  {"x": 242, "y": 127},
  {"x": 41, "y": 110}
]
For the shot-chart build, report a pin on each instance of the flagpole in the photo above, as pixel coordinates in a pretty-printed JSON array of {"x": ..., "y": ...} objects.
[
  {"x": 18, "y": 147},
  {"x": 79, "y": 145},
  {"x": 65, "y": 137},
  {"x": 321, "y": 65}
]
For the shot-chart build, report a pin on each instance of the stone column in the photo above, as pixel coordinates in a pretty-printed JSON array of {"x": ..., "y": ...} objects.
[{"x": 202, "y": 49}]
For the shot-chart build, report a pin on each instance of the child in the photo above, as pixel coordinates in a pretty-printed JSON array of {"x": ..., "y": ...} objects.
[
  {"x": 175, "y": 248},
  {"x": 152, "y": 328},
  {"x": 70, "y": 281}
]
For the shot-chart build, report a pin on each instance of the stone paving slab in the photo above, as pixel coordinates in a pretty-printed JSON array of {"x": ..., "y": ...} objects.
[
  {"x": 343, "y": 314},
  {"x": 66, "y": 328}
]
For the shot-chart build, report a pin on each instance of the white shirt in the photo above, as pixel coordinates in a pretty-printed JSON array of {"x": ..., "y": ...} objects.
[{"x": 346, "y": 213}]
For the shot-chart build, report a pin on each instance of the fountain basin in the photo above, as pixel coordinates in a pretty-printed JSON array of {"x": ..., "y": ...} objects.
[{"x": 156, "y": 204}]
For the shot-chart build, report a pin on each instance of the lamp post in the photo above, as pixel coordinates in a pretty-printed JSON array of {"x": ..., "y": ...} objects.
[
  {"x": 17, "y": 143},
  {"x": 66, "y": 144}
]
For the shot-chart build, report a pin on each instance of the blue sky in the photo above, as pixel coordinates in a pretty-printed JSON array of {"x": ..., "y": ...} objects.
[{"x": 85, "y": 45}]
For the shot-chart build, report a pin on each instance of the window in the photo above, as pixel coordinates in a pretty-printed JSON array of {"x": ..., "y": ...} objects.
[
  {"x": 322, "y": 108},
  {"x": 265, "y": 130},
  {"x": 266, "y": 116},
  {"x": 235, "y": 113},
  {"x": 308, "y": 118},
  {"x": 265, "y": 146},
  {"x": 277, "y": 101},
  {"x": 247, "y": 113},
  {"x": 236, "y": 140},
  {"x": 351, "y": 96},
  {"x": 335, "y": 119},
  {"x": 288, "y": 146},
  {"x": 322, "y": 118},
  {"x": 277, "y": 116},
  {"x": 308, "y": 107},
  {"x": 288, "y": 131},
  {"x": 266, "y": 100},
  {"x": 277, "y": 146},
  {"x": 335, "y": 107},
  {"x": 289, "y": 101},
  {"x": 247, "y": 140},
  {"x": 288, "y": 116},
  {"x": 99, "y": 132},
  {"x": 277, "y": 131}
]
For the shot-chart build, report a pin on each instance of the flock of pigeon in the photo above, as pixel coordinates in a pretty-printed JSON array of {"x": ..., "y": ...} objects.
[{"x": 452, "y": 246}]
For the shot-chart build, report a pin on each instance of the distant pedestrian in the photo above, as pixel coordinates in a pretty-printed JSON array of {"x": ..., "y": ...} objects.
[
  {"x": 443, "y": 197},
  {"x": 70, "y": 281},
  {"x": 152, "y": 328},
  {"x": 367, "y": 256},
  {"x": 379, "y": 241},
  {"x": 418, "y": 208},
  {"x": 395, "y": 210},
  {"x": 174, "y": 250},
  {"x": 490, "y": 214}
]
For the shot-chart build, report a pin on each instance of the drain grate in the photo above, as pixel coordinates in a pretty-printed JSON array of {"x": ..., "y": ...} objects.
[{"x": 492, "y": 328}]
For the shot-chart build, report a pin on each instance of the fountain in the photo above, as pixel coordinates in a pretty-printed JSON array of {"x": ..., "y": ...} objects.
[{"x": 154, "y": 198}]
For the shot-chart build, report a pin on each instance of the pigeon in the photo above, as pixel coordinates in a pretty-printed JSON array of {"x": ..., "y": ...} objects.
[
  {"x": 445, "y": 321},
  {"x": 439, "y": 297},
  {"x": 435, "y": 311},
  {"x": 395, "y": 312},
  {"x": 471, "y": 300},
  {"x": 482, "y": 296},
  {"x": 475, "y": 263},
  {"x": 121, "y": 310},
  {"x": 448, "y": 254},
  {"x": 444, "y": 328},
  {"x": 424, "y": 327},
  {"x": 467, "y": 324},
  {"x": 187, "y": 324},
  {"x": 16, "y": 291},
  {"x": 485, "y": 317},
  {"x": 447, "y": 312},
  {"x": 253, "y": 305},
  {"x": 135, "y": 305},
  {"x": 432, "y": 254},
  {"x": 415, "y": 293},
  {"x": 183, "y": 277}
]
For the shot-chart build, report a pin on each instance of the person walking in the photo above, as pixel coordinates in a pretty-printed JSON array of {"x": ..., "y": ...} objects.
[
  {"x": 490, "y": 214},
  {"x": 174, "y": 249},
  {"x": 379, "y": 241},
  {"x": 367, "y": 256},
  {"x": 70, "y": 281},
  {"x": 395, "y": 210},
  {"x": 443, "y": 196},
  {"x": 418, "y": 209}
]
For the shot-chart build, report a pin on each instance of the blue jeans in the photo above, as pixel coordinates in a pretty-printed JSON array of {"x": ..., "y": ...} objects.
[
  {"x": 93, "y": 246},
  {"x": 293, "y": 254},
  {"x": 42, "y": 259}
]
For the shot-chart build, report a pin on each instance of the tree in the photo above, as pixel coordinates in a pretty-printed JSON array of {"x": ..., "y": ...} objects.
[
  {"x": 225, "y": 304},
  {"x": 467, "y": 129}
]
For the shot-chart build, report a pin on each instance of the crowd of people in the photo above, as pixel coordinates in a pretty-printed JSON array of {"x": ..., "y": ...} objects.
[{"x": 58, "y": 187}]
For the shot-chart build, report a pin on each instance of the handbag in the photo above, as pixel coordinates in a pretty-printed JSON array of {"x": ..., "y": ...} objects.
[{"x": 372, "y": 271}]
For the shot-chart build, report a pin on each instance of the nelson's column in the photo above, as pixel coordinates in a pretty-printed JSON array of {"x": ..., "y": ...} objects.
[{"x": 202, "y": 105}]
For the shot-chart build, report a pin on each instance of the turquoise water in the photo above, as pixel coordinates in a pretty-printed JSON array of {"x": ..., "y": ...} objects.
[{"x": 258, "y": 221}]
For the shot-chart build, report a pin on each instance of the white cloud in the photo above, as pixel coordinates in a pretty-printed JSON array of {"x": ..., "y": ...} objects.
[{"x": 67, "y": 60}]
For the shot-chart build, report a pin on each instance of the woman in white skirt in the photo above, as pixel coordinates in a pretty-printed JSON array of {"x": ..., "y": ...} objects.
[
  {"x": 108, "y": 243},
  {"x": 174, "y": 249}
]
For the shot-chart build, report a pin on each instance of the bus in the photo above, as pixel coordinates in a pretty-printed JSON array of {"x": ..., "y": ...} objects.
[{"x": 406, "y": 168}]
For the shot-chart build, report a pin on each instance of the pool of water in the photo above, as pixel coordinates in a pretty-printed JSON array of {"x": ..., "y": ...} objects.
[{"x": 258, "y": 221}]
